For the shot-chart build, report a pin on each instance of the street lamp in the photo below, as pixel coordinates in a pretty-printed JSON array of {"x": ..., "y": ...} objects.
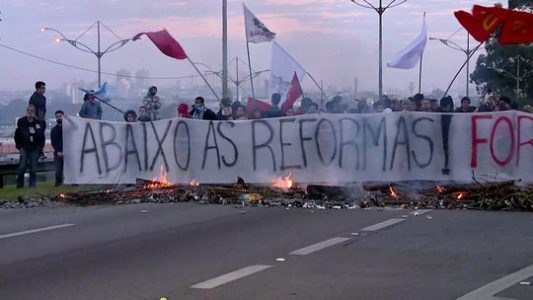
[
  {"x": 83, "y": 47},
  {"x": 237, "y": 81},
  {"x": 467, "y": 51},
  {"x": 516, "y": 77},
  {"x": 380, "y": 10}
]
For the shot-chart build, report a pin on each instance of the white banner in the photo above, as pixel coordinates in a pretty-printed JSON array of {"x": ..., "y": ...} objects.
[
  {"x": 321, "y": 148},
  {"x": 282, "y": 70}
]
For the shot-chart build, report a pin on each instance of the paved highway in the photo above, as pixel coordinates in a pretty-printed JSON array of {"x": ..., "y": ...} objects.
[{"x": 189, "y": 251}]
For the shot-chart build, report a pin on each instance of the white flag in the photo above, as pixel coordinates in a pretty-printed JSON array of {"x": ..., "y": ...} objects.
[
  {"x": 282, "y": 70},
  {"x": 408, "y": 58},
  {"x": 256, "y": 31}
]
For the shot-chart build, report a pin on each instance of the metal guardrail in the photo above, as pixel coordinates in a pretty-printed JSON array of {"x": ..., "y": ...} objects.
[{"x": 9, "y": 165}]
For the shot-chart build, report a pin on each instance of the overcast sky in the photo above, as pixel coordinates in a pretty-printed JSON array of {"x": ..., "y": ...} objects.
[{"x": 334, "y": 40}]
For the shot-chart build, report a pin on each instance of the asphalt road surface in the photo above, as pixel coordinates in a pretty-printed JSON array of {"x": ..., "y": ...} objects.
[{"x": 190, "y": 251}]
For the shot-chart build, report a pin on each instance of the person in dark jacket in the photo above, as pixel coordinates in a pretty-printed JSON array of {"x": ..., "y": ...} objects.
[
  {"x": 39, "y": 100},
  {"x": 56, "y": 136},
  {"x": 143, "y": 115},
  {"x": 274, "y": 112},
  {"x": 29, "y": 140}
]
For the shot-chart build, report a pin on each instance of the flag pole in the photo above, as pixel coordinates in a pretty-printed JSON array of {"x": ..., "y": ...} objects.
[
  {"x": 318, "y": 85},
  {"x": 420, "y": 73},
  {"x": 250, "y": 65},
  {"x": 203, "y": 77},
  {"x": 420, "y": 67}
]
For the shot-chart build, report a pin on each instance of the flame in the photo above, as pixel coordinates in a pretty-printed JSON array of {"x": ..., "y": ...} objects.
[
  {"x": 160, "y": 181},
  {"x": 392, "y": 192},
  {"x": 459, "y": 195},
  {"x": 441, "y": 189},
  {"x": 194, "y": 182},
  {"x": 285, "y": 183},
  {"x": 62, "y": 195}
]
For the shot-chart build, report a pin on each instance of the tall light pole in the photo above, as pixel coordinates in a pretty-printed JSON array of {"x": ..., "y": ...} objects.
[
  {"x": 467, "y": 52},
  {"x": 83, "y": 47},
  {"x": 225, "y": 92},
  {"x": 380, "y": 10}
]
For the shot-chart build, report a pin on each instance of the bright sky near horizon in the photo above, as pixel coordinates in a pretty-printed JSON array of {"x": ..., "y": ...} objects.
[{"x": 335, "y": 40}]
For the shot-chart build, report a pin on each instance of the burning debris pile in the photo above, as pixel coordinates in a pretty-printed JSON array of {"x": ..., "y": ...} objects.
[
  {"x": 490, "y": 196},
  {"x": 285, "y": 191},
  {"x": 160, "y": 190}
]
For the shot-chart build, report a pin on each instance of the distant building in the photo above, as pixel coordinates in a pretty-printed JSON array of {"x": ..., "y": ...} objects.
[
  {"x": 124, "y": 84},
  {"x": 73, "y": 91},
  {"x": 141, "y": 80}
]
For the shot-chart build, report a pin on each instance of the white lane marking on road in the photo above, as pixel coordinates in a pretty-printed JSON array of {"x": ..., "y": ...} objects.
[
  {"x": 489, "y": 290},
  {"x": 382, "y": 225},
  {"x": 319, "y": 246},
  {"x": 420, "y": 212},
  {"x": 231, "y": 276},
  {"x": 5, "y": 236}
]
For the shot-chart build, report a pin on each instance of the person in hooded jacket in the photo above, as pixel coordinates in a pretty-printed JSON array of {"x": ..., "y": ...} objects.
[{"x": 152, "y": 103}]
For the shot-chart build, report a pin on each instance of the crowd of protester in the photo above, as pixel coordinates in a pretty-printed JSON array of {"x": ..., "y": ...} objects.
[
  {"x": 237, "y": 111},
  {"x": 30, "y": 131}
]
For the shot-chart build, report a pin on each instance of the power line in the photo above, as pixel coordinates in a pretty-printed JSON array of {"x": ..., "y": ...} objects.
[{"x": 90, "y": 70}]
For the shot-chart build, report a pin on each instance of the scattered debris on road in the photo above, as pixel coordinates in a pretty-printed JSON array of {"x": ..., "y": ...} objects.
[{"x": 287, "y": 193}]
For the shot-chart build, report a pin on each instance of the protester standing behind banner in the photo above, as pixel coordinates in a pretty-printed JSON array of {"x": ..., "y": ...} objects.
[
  {"x": 56, "y": 137},
  {"x": 198, "y": 109},
  {"x": 29, "y": 140},
  {"x": 274, "y": 111},
  {"x": 152, "y": 103},
  {"x": 130, "y": 116},
  {"x": 183, "y": 111},
  {"x": 38, "y": 100},
  {"x": 90, "y": 109},
  {"x": 143, "y": 115}
]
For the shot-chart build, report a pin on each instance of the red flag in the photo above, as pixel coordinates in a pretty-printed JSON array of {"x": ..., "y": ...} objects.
[
  {"x": 254, "y": 104},
  {"x": 483, "y": 21},
  {"x": 517, "y": 29},
  {"x": 165, "y": 42},
  {"x": 294, "y": 92}
]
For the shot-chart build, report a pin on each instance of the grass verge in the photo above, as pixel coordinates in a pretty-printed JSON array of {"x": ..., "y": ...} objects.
[{"x": 46, "y": 188}]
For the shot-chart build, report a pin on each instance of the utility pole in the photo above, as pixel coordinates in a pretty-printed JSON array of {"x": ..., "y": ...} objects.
[
  {"x": 237, "y": 76},
  {"x": 380, "y": 10},
  {"x": 467, "y": 52},
  {"x": 225, "y": 93}
]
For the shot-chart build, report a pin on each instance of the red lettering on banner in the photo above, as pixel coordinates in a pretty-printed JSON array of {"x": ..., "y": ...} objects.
[
  {"x": 475, "y": 139},
  {"x": 520, "y": 144},
  {"x": 509, "y": 156}
]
